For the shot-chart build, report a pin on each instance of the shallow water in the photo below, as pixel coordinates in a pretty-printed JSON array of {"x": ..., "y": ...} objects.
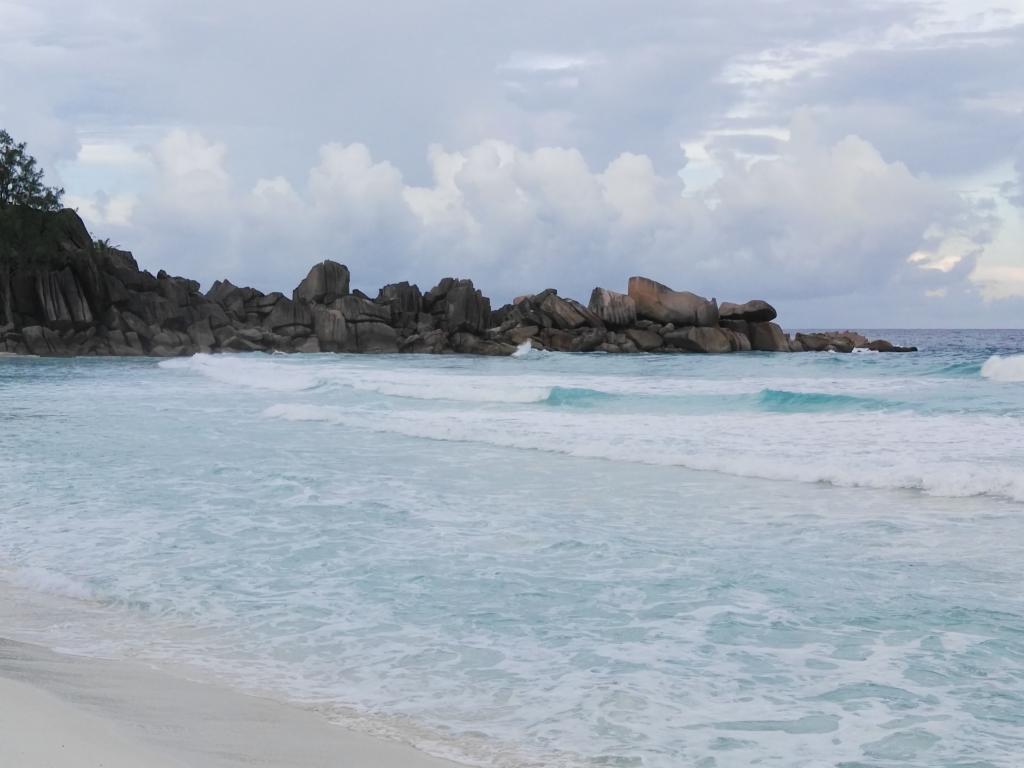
[{"x": 580, "y": 560}]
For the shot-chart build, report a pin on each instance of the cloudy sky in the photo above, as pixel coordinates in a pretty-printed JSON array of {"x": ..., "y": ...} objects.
[{"x": 855, "y": 162}]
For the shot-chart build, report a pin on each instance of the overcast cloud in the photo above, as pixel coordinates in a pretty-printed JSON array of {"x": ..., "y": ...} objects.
[{"x": 854, "y": 162}]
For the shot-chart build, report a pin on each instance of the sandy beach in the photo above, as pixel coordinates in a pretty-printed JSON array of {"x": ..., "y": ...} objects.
[{"x": 60, "y": 711}]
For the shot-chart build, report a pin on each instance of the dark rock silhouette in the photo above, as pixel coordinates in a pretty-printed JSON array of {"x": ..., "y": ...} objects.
[{"x": 62, "y": 294}]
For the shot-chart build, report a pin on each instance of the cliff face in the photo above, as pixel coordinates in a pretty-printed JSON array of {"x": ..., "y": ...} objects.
[{"x": 61, "y": 294}]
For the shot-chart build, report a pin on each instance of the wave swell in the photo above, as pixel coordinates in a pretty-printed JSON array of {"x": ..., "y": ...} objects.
[{"x": 1005, "y": 369}]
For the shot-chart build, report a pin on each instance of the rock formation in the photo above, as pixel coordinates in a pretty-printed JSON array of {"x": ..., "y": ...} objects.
[{"x": 63, "y": 294}]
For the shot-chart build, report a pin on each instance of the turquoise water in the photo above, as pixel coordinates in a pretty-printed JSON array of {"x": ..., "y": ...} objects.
[{"x": 575, "y": 560}]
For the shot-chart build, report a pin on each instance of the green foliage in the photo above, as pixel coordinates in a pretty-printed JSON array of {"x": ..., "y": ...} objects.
[{"x": 21, "y": 179}]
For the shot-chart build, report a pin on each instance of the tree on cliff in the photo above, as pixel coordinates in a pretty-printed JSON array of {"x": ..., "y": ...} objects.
[
  {"x": 21, "y": 187},
  {"x": 21, "y": 179}
]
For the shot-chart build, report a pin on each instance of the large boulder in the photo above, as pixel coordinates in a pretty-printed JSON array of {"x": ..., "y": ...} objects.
[
  {"x": 768, "y": 337},
  {"x": 357, "y": 309},
  {"x": 375, "y": 337},
  {"x": 405, "y": 301},
  {"x": 325, "y": 282},
  {"x": 41, "y": 341},
  {"x": 616, "y": 310},
  {"x": 563, "y": 314},
  {"x": 116, "y": 292},
  {"x": 431, "y": 342},
  {"x": 330, "y": 328},
  {"x": 813, "y": 342},
  {"x": 645, "y": 340},
  {"x": 740, "y": 342},
  {"x": 229, "y": 296},
  {"x": 123, "y": 344},
  {"x": 154, "y": 309},
  {"x": 434, "y": 298},
  {"x": 466, "y": 308},
  {"x": 661, "y": 304},
  {"x": 53, "y": 308},
  {"x": 700, "y": 339},
  {"x": 74, "y": 299},
  {"x": 290, "y": 318},
  {"x": 202, "y": 336},
  {"x": 753, "y": 311},
  {"x": 469, "y": 344}
]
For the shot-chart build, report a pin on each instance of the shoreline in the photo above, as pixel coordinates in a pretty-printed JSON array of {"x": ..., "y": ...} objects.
[{"x": 64, "y": 711}]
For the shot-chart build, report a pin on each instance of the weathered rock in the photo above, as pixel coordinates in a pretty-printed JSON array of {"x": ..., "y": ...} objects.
[
  {"x": 661, "y": 304},
  {"x": 175, "y": 289},
  {"x": 404, "y": 300},
  {"x": 521, "y": 333},
  {"x": 467, "y": 309},
  {"x": 648, "y": 341},
  {"x": 50, "y": 298},
  {"x": 201, "y": 334},
  {"x": 700, "y": 339},
  {"x": 124, "y": 344},
  {"x": 291, "y": 315},
  {"x": 41, "y": 341},
  {"x": 881, "y": 345},
  {"x": 254, "y": 335},
  {"x": 563, "y": 315},
  {"x": 79, "y": 299},
  {"x": 330, "y": 328},
  {"x": 754, "y": 311},
  {"x": 588, "y": 340},
  {"x": 325, "y": 282},
  {"x": 433, "y": 342},
  {"x": 812, "y": 342},
  {"x": 374, "y": 337},
  {"x": 116, "y": 292},
  {"x": 156, "y": 310},
  {"x": 436, "y": 295},
  {"x": 238, "y": 344},
  {"x": 357, "y": 309},
  {"x": 738, "y": 341},
  {"x": 228, "y": 296},
  {"x": 557, "y": 340},
  {"x": 468, "y": 343},
  {"x": 74, "y": 299},
  {"x": 616, "y": 310},
  {"x": 308, "y": 345},
  {"x": 768, "y": 337}
]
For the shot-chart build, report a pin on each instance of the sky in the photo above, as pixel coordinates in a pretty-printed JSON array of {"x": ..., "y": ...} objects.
[{"x": 854, "y": 162}]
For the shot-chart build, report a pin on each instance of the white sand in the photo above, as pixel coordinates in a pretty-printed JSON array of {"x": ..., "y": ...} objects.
[{"x": 60, "y": 711}]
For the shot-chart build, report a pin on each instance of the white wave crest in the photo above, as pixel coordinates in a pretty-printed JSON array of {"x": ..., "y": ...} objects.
[
  {"x": 49, "y": 582},
  {"x": 998, "y": 368},
  {"x": 245, "y": 371},
  {"x": 523, "y": 349},
  {"x": 790, "y": 447}
]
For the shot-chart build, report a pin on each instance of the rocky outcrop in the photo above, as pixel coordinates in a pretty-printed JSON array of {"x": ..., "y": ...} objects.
[
  {"x": 65, "y": 295},
  {"x": 754, "y": 311},
  {"x": 767, "y": 337},
  {"x": 660, "y": 304},
  {"x": 616, "y": 310},
  {"x": 325, "y": 282}
]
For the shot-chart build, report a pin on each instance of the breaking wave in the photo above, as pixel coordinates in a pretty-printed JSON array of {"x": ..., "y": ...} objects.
[
  {"x": 800, "y": 447},
  {"x": 1006, "y": 369},
  {"x": 785, "y": 401}
]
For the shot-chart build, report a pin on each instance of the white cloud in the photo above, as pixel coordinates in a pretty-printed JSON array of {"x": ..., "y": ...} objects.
[
  {"x": 818, "y": 219},
  {"x": 563, "y": 138}
]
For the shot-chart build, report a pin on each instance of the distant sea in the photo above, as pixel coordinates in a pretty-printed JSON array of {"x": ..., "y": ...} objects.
[{"x": 651, "y": 561}]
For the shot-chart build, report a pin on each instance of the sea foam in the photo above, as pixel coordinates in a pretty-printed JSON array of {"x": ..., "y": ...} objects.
[
  {"x": 1008, "y": 369},
  {"x": 567, "y": 560}
]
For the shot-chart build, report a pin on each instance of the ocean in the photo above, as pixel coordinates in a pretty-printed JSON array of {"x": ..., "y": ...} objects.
[{"x": 642, "y": 561}]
